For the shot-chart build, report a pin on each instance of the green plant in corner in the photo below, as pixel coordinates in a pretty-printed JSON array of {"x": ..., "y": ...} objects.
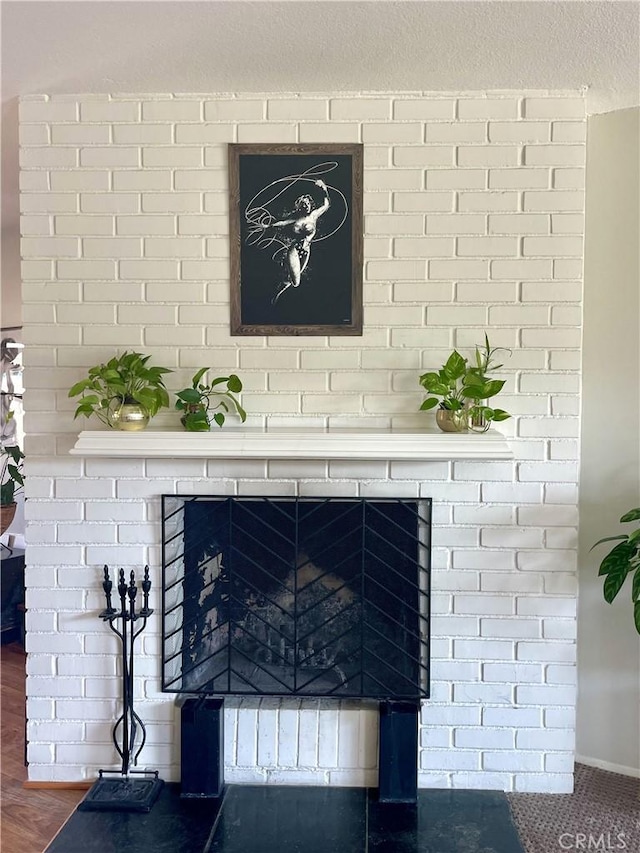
[
  {"x": 623, "y": 559},
  {"x": 124, "y": 379},
  {"x": 200, "y": 402}
]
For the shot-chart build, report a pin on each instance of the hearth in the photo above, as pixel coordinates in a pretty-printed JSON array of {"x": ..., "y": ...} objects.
[
  {"x": 299, "y": 597},
  {"x": 272, "y": 819}
]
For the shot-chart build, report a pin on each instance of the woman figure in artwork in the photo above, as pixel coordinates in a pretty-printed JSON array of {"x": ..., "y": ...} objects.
[{"x": 303, "y": 225}]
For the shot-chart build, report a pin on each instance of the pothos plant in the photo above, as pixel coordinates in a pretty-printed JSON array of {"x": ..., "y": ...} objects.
[
  {"x": 123, "y": 379},
  {"x": 206, "y": 402},
  {"x": 462, "y": 386},
  {"x": 622, "y": 560}
]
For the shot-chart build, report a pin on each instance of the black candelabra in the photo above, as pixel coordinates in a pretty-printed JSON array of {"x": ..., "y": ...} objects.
[{"x": 129, "y": 734}]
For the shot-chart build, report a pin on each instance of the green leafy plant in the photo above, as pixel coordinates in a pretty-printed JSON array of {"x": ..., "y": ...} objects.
[
  {"x": 485, "y": 357},
  {"x": 12, "y": 479},
  {"x": 123, "y": 379},
  {"x": 207, "y": 402},
  {"x": 462, "y": 386},
  {"x": 480, "y": 415},
  {"x": 622, "y": 560}
]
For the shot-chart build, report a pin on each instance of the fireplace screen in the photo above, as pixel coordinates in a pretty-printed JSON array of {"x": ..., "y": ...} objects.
[{"x": 296, "y": 596}]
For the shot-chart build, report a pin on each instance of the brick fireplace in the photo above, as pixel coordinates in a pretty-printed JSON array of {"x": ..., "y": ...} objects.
[
  {"x": 297, "y": 598},
  {"x": 474, "y": 716},
  {"x": 473, "y": 223}
]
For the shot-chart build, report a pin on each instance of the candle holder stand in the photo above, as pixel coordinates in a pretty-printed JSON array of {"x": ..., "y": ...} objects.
[{"x": 126, "y": 792}]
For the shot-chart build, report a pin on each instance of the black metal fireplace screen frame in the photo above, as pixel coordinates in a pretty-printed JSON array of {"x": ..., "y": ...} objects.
[{"x": 296, "y": 596}]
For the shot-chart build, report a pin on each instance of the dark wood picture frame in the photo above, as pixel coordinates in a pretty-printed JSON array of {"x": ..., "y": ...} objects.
[{"x": 296, "y": 231}]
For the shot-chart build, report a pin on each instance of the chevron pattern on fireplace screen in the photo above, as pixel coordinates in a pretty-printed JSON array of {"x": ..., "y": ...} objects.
[{"x": 308, "y": 597}]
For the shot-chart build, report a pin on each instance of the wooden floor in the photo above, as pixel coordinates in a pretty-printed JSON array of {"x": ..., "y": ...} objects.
[{"x": 29, "y": 818}]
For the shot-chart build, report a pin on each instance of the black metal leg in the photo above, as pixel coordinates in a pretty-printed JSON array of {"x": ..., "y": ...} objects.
[
  {"x": 202, "y": 747},
  {"x": 398, "y": 759}
]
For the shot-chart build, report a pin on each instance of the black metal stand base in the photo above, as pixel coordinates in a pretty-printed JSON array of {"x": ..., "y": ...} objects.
[
  {"x": 398, "y": 757},
  {"x": 123, "y": 794},
  {"x": 202, "y": 747}
]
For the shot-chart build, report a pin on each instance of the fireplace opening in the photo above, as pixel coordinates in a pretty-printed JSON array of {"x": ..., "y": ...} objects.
[{"x": 311, "y": 597}]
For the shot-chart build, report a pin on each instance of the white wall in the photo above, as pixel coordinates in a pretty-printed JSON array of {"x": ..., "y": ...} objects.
[
  {"x": 10, "y": 296},
  {"x": 473, "y": 222},
  {"x": 609, "y": 647},
  {"x": 11, "y": 305}
]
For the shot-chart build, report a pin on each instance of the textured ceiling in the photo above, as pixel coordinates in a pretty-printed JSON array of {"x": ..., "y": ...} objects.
[
  {"x": 308, "y": 45},
  {"x": 313, "y": 45}
]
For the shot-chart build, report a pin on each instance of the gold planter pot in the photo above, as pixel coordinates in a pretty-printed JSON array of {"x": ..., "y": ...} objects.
[
  {"x": 129, "y": 415},
  {"x": 449, "y": 421}
]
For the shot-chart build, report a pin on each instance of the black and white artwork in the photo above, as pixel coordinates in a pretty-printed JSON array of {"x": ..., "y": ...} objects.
[{"x": 296, "y": 239}]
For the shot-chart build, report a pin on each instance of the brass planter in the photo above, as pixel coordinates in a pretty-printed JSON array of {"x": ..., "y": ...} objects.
[
  {"x": 449, "y": 421},
  {"x": 129, "y": 415}
]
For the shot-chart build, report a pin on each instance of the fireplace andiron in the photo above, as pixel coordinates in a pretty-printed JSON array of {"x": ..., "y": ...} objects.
[{"x": 126, "y": 793}]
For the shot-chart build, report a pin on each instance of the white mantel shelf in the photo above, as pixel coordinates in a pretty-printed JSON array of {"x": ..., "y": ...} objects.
[{"x": 293, "y": 444}]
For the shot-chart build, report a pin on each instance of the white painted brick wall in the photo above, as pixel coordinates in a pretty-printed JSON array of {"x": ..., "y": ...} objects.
[{"x": 473, "y": 222}]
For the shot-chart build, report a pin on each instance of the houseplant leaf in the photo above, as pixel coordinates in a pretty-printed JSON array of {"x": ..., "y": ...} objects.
[
  {"x": 620, "y": 561},
  {"x": 635, "y": 537},
  {"x": 196, "y": 421},
  {"x": 11, "y": 479},
  {"x": 198, "y": 376},
  {"x": 189, "y": 395},
  {"x": 632, "y": 515},
  {"x": 635, "y": 588},
  {"x": 614, "y": 580},
  {"x": 619, "y": 537},
  {"x": 15, "y": 475},
  {"x": 429, "y": 378},
  {"x": 455, "y": 365},
  {"x": 6, "y": 493},
  {"x": 500, "y": 415},
  {"x": 429, "y": 403},
  {"x": 79, "y": 387},
  {"x": 234, "y": 384},
  {"x": 617, "y": 559}
]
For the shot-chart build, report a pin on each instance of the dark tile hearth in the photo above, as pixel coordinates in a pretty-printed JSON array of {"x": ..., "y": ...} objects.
[
  {"x": 172, "y": 826},
  {"x": 288, "y": 819},
  {"x": 262, "y": 819},
  {"x": 444, "y": 821}
]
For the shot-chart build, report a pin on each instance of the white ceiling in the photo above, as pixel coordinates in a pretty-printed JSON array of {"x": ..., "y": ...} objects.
[
  {"x": 314, "y": 45},
  {"x": 308, "y": 45}
]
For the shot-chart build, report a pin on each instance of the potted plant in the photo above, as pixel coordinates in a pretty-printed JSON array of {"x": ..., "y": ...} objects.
[
  {"x": 123, "y": 393},
  {"x": 205, "y": 403},
  {"x": 11, "y": 482},
  {"x": 464, "y": 390},
  {"x": 485, "y": 364},
  {"x": 622, "y": 560}
]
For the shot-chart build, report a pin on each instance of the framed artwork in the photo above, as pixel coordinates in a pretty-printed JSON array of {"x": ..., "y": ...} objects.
[{"x": 296, "y": 239}]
